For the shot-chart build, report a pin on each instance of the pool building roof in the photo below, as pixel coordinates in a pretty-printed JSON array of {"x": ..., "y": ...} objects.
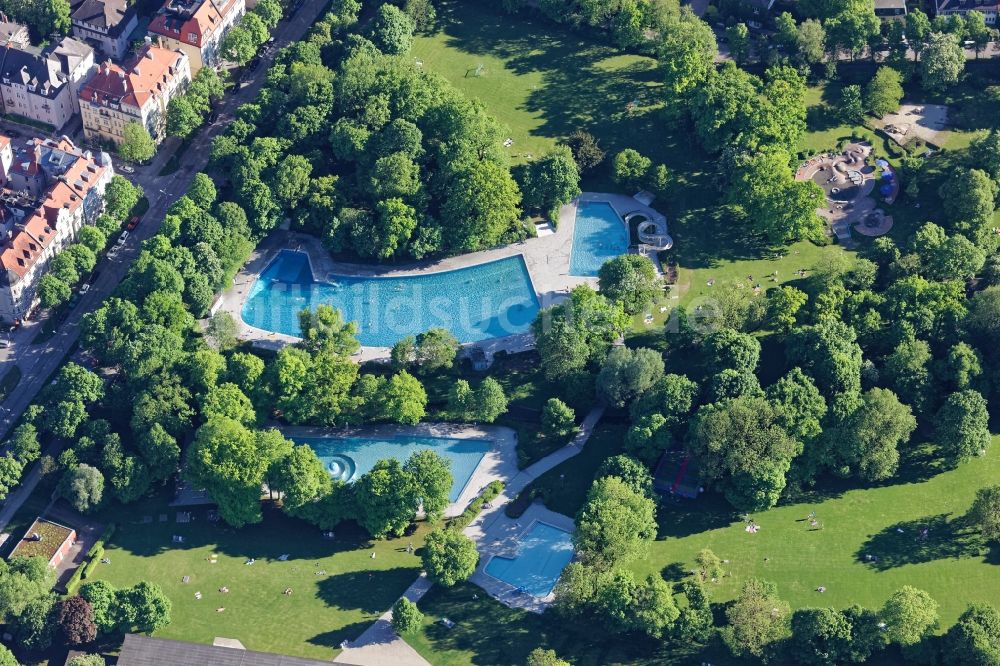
[{"x": 145, "y": 651}]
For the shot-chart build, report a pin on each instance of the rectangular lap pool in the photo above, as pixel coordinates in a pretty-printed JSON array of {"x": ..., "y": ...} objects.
[
  {"x": 347, "y": 458},
  {"x": 475, "y": 303},
  {"x": 598, "y": 235},
  {"x": 544, "y": 552}
]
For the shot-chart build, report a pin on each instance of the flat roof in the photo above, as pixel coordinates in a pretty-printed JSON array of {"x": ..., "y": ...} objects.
[
  {"x": 53, "y": 536},
  {"x": 141, "y": 650}
]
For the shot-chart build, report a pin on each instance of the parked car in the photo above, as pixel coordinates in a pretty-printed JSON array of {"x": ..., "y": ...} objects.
[
  {"x": 124, "y": 168},
  {"x": 133, "y": 222},
  {"x": 5, "y": 343},
  {"x": 123, "y": 237},
  {"x": 84, "y": 288},
  {"x": 113, "y": 252}
]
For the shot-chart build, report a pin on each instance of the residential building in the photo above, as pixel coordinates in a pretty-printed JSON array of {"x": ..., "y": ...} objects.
[
  {"x": 197, "y": 27},
  {"x": 988, "y": 8},
  {"x": 138, "y": 650},
  {"x": 105, "y": 24},
  {"x": 138, "y": 91},
  {"x": 50, "y": 189},
  {"x": 42, "y": 84},
  {"x": 46, "y": 539},
  {"x": 890, "y": 9}
]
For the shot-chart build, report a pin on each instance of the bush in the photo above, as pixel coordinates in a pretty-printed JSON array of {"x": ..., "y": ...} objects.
[
  {"x": 406, "y": 617},
  {"x": 490, "y": 492}
]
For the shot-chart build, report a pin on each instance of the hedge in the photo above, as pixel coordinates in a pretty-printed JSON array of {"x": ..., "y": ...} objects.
[{"x": 490, "y": 492}]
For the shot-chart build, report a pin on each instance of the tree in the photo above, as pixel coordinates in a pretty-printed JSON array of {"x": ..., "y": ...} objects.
[
  {"x": 406, "y": 617},
  {"x": 615, "y": 524},
  {"x": 238, "y": 45},
  {"x": 11, "y": 469},
  {"x": 202, "y": 190},
  {"x": 7, "y": 658},
  {"x": 687, "y": 49},
  {"x": 92, "y": 238},
  {"x": 542, "y": 657},
  {"x": 222, "y": 330},
  {"x": 695, "y": 623},
  {"x": 627, "y": 373},
  {"x": 631, "y": 168},
  {"x": 977, "y": 31},
  {"x": 449, "y": 556},
  {"x": 480, "y": 205},
  {"x": 392, "y": 30},
  {"x": 76, "y": 621},
  {"x": 829, "y": 353},
  {"x": 230, "y": 461},
  {"x": 743, "y": 450},
  {"x": 143, "y": 607},
  {"x": 551, "y": 181},
  {"x": 910, "y": 615},
  {"x": 387, "y": 499},
  {"x": 136, "y": 145},
  {"x": 801, "y": 407},
  {"x": 709, "y": 564},
  {"x": 489, "y": 401},
  {"x": 811, "y": 41},
  {"x": 34, "y": 626},
  {"x": 586, "y": 152},
  {"x": 962, "y": 426},
  {"x": 727, "y": 349},
  {"x": 432, "y": 476},
  {"x": 629, "y": 279},
  {"x": 852, "y": 107},
  {"x": 634, "y": 473},
  {"x": 23, "y": 580},
  {"x": 100, "y": 594},
  {"x": 182, "y": 117},
  {"x": 270, "y": 12},
  {"x": 405, "y": 400},
  {"x": 941, "y": 61},
  {"x": 52, "y": 291},
  {"x": 918, "y": 26},
  {"x": 975, "y": 638},
  {"x": 403, "y": 352},
  {"x": 985, "y": 512},
  {"x": 558, "y": 419},
  {"x": 324, "y": 329},
  {"x": 83, "y": 487},
  {"x": 300, "y": 476},
  {"x": 783, "y": 305},
  {"x": 970, "y": 196},
  {"x": 757, "y": 619},
  {"x": 907, "y": 371},
  {"x": 577, "y": 332},
  {"x": 884, "y": 92},
  {"x": 120, "y": 197},
  {"x": 738, "y": 38},
  {"x": 820, "y": 636},
  {"x": 436, "y": 349},
  {"x": 872, "y": 433}
]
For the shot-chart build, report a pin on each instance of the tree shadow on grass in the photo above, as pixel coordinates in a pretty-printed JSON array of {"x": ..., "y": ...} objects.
[
  {"x": 333, "y": 639},
  {"x": 368, "y": 591},
  {"x": 674, "y": 572},
  {"x": 908, "y": 543},
  {"x": 678, "y": 517}
]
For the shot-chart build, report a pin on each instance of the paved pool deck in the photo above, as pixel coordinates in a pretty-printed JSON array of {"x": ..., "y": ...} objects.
[
  {"x": 499, "y": 463},
  {"x": 546, "y": 257}
]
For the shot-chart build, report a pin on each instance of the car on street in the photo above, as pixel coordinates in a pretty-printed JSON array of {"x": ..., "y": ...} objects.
[
  {"x": 84, "y": 288},
  {"x": 5, "y": 343},
  {"x": 123, "y": 237},
  {"x": 124, "y": 168},
  {"x": 133, "y": 222},
  {"x": 113, "y": 252}
]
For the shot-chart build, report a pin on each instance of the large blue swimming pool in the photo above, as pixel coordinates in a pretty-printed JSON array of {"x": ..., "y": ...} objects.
[
  {"x": 476, "y": 303},
  {"x": 347, "y": 458},
  {"x": 599, "y": 235},
  {"x": 544, "y": 552}
]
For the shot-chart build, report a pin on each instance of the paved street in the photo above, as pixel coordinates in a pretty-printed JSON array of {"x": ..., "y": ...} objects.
[{"x": 38, "y": 362}]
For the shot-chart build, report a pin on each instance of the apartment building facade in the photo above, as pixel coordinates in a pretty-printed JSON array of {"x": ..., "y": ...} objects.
[
  {"x": 43, "y": 84},
  {"x": 138, "y": 91},
  {"x": 197, "y": 27},
  {"x": 50, "y": 189},
  {"x": 105, "y": 24}
]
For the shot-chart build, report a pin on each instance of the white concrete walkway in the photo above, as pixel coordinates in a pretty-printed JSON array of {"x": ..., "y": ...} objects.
[{"x": 380, "y": 646}]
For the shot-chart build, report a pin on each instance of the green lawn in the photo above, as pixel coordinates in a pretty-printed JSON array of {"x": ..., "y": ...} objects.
[
  {"x": 544, "y": 81},
  {"x": 322, "y": 610},
  {"x": 953, "y": 564}
]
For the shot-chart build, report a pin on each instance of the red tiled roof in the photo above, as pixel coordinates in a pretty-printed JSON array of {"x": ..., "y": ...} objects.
[{"x": 134, "y": 84}]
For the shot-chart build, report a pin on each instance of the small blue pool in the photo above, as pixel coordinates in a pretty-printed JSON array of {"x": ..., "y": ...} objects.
[
  {"x": 347, "y": 458},
  {"x": 599, "y": 235},
  {"x": 544, "y": 552},
  {"x": 475, "y": 303}
]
